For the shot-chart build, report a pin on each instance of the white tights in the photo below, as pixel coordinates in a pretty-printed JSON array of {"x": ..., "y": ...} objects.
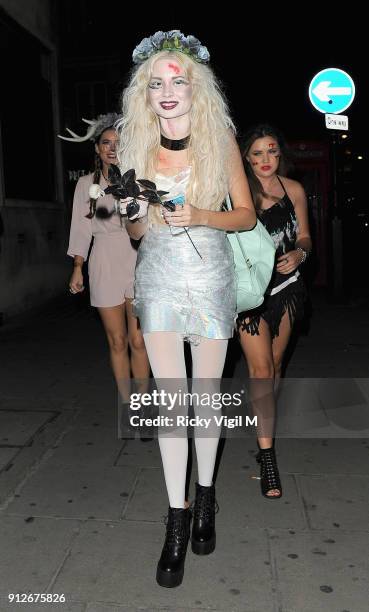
[{"x": 166, "y": 355}]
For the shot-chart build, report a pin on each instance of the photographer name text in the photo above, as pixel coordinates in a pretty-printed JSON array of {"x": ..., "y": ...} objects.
[{"x": 196, "y": 421}]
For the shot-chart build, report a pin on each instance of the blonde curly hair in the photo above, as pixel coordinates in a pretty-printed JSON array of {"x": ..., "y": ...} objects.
[{"x": 211, "y": 130}]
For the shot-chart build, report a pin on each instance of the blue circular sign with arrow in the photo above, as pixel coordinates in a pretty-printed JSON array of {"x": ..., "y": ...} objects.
[{"x": 331, "y": 91}]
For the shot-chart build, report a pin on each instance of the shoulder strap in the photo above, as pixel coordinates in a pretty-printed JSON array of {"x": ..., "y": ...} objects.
[
  {"x": 283, "y": 187},
  {"x": 244, "y": 254}
]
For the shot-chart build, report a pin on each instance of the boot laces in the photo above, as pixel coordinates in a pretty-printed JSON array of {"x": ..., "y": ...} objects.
[
  {"x": 176, "y": 533},
  {"x": 203, "y": 506}
]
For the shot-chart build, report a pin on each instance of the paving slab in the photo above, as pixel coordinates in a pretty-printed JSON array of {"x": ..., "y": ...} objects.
[
  {"x": 238, "y": 496},
  {"x": 6, "y": 455},
  {"x": 87, "y": 446},
  {"x": 323, "y": 456},
  {"x": 117, "y": 563},
  {"x": 236, "y": 454},
  {"x": 335, "y": 501},
  {"x": 67, "y": 606},
  {"x": 98, "y": 414},
  {"x": 46, "y": 401},
  {"x": 35, "y": 549},
  {"x": 75, "y": 492},
  {"x": 18, "y": 427},
  {"x": 137, "y": 453},
  {"x": 111, "y": 607},
  {"x": 96, "y": 391},
  {"x": 17, "y": 470},
  {"x": 26, "y": 458},
  {"x": 98, "y": 607},
  {"x": 326, "y": 571}
]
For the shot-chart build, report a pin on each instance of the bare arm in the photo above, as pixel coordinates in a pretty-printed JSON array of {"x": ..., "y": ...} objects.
[
  {"x": 78, "y": 261},
  {"x": 290, "y": 261},
  {"x": 303, "y": 233},
  {"x": 136, "y": 229},
  {"x": 243, "y": 216},
  {"x": 76, "y": 280}
]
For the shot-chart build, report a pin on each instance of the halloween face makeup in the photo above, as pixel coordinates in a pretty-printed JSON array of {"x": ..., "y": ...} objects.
[
  {"x": 169, "y": 90},
  {"x": 263, "y": 156}
]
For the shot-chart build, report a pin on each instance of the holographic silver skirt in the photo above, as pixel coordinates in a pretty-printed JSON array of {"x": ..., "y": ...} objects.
[{"x": 177, "y": 290}]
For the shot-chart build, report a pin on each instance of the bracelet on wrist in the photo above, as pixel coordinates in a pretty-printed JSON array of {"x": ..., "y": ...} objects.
[{"x": 304, "y": 254}]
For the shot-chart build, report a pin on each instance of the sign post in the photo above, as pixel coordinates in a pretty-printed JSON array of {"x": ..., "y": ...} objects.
[{"x": 331, "y": 91}]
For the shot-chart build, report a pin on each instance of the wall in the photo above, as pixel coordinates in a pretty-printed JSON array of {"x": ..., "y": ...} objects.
[{"x": 33, "y": 216}]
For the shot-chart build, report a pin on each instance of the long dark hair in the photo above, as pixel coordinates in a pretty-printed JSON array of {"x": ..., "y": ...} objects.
[
  {"x": 260, "y": 131},
  {"x": 97, "y": 170}
]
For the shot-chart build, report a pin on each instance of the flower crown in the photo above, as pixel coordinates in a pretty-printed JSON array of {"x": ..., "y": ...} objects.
[{"x": 171, "y": 41}]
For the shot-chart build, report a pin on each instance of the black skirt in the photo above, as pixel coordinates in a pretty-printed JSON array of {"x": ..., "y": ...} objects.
[{"x": 291, "y": 299}]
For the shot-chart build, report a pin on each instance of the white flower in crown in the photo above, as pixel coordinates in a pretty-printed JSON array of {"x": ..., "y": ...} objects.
[{"x": 173, "y": 40}]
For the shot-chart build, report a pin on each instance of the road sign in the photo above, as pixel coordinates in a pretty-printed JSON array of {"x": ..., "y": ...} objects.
[
  {"x": 336, "y": 122},
  {"x": 331, "y": 91}
]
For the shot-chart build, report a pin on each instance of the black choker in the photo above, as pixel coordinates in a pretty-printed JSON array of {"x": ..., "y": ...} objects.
[{"x": 174, "y": 145}]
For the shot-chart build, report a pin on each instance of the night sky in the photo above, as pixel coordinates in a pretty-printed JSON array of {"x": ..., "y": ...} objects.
[{"x": 264, "y": 64}]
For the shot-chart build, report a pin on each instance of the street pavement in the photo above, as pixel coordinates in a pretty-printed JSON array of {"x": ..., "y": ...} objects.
[{"x": 81, "y": 511}]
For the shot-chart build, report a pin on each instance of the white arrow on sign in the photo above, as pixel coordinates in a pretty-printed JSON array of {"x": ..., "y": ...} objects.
[{"x": 323, "y": 92}]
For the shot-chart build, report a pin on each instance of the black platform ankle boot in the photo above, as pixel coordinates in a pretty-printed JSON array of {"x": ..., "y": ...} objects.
[
  {"x": 203, "y": 529},
  {"x": 171, "y": 563},
  {"x": 269, "y": 474}
]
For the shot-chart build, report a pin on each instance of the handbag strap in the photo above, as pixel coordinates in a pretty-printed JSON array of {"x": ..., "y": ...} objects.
[{"x": 248, "y": 262}]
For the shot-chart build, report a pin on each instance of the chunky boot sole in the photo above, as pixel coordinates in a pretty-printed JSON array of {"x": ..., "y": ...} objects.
[
  {"x": 169, "y": 579},
  {"x": 203, "y": 548}
]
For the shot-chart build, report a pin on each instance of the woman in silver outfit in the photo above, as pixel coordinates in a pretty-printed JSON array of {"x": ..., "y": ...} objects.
[{"x": 176, "y": 131}]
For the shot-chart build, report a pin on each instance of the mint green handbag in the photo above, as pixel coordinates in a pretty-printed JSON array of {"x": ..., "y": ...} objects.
[{"x": 254, "y": 254}]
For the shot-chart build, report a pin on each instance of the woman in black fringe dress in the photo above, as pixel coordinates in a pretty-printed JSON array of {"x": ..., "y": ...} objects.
[{"x": 265, "y": 331}]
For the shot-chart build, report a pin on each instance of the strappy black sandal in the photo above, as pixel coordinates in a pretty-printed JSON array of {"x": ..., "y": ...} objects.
[{"x": 269, "y": 474}]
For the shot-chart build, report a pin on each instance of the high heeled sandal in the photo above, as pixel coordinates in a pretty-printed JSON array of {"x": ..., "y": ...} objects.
[{"x": 269, "y": 474}]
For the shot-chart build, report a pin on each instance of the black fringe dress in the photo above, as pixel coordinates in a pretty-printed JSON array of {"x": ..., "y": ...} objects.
[{"x": 286, "y": 292}]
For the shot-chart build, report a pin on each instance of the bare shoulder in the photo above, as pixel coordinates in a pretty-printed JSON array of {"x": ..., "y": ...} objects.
[{"x": 294, "y": 189}]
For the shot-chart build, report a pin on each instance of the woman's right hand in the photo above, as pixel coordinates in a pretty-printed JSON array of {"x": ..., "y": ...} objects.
[
  {"x": 76, "y": 281},
  {"x": 142, "y": 210}
]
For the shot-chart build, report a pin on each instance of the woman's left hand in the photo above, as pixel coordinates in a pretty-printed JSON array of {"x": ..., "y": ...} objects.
[
  {"x": 289, "y": 262},
  {"x": 183, "y": 216}
]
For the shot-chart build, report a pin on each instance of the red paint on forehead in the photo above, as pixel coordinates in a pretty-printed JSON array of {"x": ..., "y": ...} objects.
[
  {"x": 175, "y": 68},
  {"x": 272, "y": 144}
]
